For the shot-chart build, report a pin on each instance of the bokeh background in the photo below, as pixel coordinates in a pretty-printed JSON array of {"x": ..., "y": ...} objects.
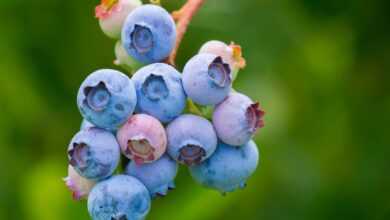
[{"x": 320, "y": 68}]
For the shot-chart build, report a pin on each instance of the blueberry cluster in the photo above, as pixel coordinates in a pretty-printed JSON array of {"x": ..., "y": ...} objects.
[{"x": 158, "y": 118}]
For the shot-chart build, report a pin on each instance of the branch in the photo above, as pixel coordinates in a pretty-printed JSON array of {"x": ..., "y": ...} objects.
[{"x": 183, "y": 18}]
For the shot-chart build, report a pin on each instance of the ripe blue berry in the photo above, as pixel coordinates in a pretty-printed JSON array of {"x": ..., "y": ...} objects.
[
  {"x": 159, "y": 91},
  {"x": 94, "y": 153},
  {"x": 158, "y": 177},
  {"x": 112, "y": 15},
  {"x": 237, "y": 119},
  {"x": 207, "y": 79},
  {"x": 107, "y": 98},
  {"x": 191, "y": 139},
  {"x": 228, "y": 168},
  {"x": 120, "y": 197},
  {"x": 149, "y": 34}
]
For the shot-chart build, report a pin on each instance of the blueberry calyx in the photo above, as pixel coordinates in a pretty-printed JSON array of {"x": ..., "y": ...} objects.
[
  {"x": 77, "y": 155},
  {"x": 141, "y": 39},
  {"x": 97, "y": 97},
  {"x": 141, "y": 150},
  {"x": 219, "y": 72},
  {"x": 119, "y": 217},
  {"x": 191, "y": 154},
  {"x": 161, "y": 195},
  {"x": 254, "y": 116},
  {"x": 155, "y": 87}
]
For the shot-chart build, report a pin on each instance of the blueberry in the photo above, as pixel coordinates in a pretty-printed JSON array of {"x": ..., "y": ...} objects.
[
  {"x": 191, "y": 139},
  {"x": 237, "y": 119},
  {"x": 79, "y": 185},
  {"x": 124, "y": 60},
  {"x": 159, "y": 91},
  {"x": 142, "y": 138},
  {"x": 107, "y": 98},
  {"x": 158, "y": 177},
  {"x": 149, "y": 34},
  {"x": 112, "y": 15},
  {"x": 120, "y": 197},
  {"x": 94, "y": 153},
  {"x": 206, "y": 79},
  {"x": 228, "y": 168},
  {"x": 218, "y": 48},
  {"x": 230, "y": 54}
]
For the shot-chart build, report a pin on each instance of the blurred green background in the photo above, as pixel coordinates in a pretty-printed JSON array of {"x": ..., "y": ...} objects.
[{"x": 320, "y": 68}]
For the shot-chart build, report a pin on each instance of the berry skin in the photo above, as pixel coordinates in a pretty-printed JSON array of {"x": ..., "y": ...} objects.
[
  {"x": 206, "y": 79},
  {"x": 160, "y": 92},
  {"x": 191, "y": 139},
  {"x": 237, "y": 119},
  {"x": 107, "y": 98},
  {"x": 112, "y": 14},
  {"x": 94, "y": 153},
  {"x": 124, "y": 60},
  {"x": 142, "y": 139},
  {"x": 149, "y": 34},
  {"x": 228, "y": 168},
  {"x": 158, "y": 177},
  {"x": 120, "y": 197},
  {"x": 79, "y": 185}
]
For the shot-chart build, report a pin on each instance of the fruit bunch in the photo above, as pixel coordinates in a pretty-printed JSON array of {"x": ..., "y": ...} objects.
[{"x": 159, "y": 118}]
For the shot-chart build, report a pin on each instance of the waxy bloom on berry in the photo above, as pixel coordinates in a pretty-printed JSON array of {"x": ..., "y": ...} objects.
[
  {"x": 228, "y": 168},
  {"x": 159, "y": 91},
  {"x": 142, "y": 139},
  {"x": 112, "y": 15},
  {"x": 120, "y": 197},
  {"x": 207, "y": 79},
  {"x": 158, "y": 177},
  {"x": 191, "y": 139},
  {"x": 149, "y": 34},
  {"x": 107, "y": 98},
  {"x": 237, "y": 119},
  {"x": 94, "y": 153}
]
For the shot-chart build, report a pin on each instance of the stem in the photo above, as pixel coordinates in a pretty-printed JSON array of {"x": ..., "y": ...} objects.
[{"x": 183, "y": 18}]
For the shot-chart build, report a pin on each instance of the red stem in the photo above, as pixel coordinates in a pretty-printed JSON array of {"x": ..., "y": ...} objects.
[{"x": 183, "y": 18}]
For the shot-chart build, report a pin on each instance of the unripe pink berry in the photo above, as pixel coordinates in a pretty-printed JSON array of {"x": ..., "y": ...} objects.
[
  {"x": 112, "y": 15},
  {"x": 79, "y": 185},
  {"x": 142, "y": 139},
  {"x": 124, "y": 60}
]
